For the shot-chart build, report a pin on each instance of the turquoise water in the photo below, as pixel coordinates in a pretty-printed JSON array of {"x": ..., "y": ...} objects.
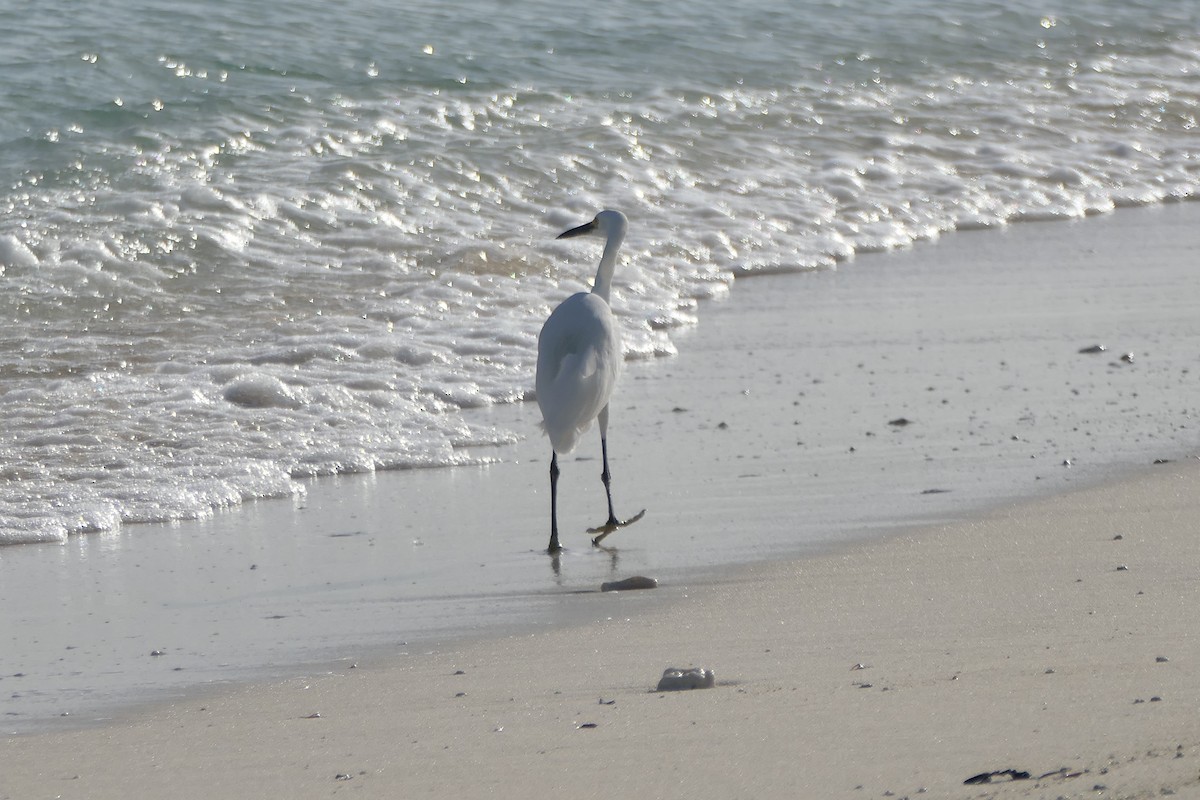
[{"x": 248, "y": 243}]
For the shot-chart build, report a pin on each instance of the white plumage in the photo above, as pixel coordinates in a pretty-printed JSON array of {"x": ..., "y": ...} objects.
[{"x": 579, "y": 361}]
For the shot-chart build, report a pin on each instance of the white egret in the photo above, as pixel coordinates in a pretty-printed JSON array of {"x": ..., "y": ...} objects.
[{"x": 579, "y": 362}]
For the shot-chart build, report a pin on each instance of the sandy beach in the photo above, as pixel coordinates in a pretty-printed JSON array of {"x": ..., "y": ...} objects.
[
  {"x": 1001, "y": 585},
  {"x": 1057, "y": 639}
]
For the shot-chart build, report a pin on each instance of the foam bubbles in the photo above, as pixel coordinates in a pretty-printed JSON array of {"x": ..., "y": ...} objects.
[{"x": 262, "y": 391}]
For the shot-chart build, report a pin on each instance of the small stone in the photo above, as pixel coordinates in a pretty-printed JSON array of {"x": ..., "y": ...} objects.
[
  {"x": 1118, "y": 538},
  {"x": 341, "y": 776},
  {"x": 675, "y": 679},
  {"x": 629, "y": 584},
  {"x": 1161, "y": 659},
  {"x": 158, "y": 652},
  {"x": 900, "y": 422},
  {"x": 1156, "y": 699},
  {"x": 314, "y": 715},
  {"x": 1122, "y": 568},
  {"x": 1096, "y": 348},
  {"x": 1127, "y": 358},
  {"x": 586, "y": 725}
]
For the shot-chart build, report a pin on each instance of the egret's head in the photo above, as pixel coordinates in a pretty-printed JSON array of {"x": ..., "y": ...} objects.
[{"x": 606, "y": 223}]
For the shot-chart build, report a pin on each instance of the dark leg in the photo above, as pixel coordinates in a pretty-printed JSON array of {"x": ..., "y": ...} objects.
[
  {"x": 613, "y": 523},
  {"x": 554, "y": 545},
  {"x": 606, "y": 476}
]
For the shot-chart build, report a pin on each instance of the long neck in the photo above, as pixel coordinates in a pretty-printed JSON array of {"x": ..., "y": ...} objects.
[{"x": 608, "y": 261}]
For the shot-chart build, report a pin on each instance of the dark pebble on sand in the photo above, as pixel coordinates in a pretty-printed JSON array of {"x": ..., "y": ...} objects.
[
  {"x": 1096, "y": 348},
  {"x": 629, "y": 584}
]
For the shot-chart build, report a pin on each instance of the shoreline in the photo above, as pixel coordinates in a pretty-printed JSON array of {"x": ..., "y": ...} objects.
[
  {"x": 1051, "y": 638},
  {"x": 358, "y": 568}
]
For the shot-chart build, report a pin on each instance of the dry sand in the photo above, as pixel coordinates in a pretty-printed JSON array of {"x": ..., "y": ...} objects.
[
  {"x": 1029, "y": 638},
  {"x": 1034, "y": 640}
]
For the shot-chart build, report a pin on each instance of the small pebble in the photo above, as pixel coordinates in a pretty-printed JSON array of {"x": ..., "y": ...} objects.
[
  {"x": 1162, "y": 659},
  {"x": 675, "y": 679},
  {"x": 586, "y": 725},
  {"x": 629, "y": 584},
  {"x": 1122, "y": 568}
]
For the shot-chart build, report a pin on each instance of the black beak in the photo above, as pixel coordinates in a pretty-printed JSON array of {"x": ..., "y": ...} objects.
[{"x": 587, "y": 227}]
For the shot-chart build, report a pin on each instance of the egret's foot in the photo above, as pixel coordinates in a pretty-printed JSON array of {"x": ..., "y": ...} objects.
[{"x": 613, "y": 525}]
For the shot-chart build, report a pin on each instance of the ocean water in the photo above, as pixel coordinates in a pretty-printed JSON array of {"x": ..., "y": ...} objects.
[{"x": 243, "y": 244}]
